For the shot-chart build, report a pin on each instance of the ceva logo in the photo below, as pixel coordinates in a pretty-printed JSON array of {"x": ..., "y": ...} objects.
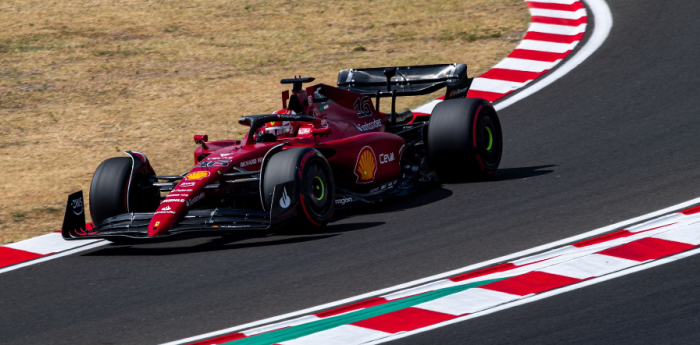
[{"x": 386, "y": 158}]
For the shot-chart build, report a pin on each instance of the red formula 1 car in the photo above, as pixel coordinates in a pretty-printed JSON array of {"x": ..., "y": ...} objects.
[{"x": 328, "y": 148}]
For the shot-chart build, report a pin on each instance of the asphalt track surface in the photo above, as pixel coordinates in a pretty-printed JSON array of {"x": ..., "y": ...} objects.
[{"x": 615, "y": 138}]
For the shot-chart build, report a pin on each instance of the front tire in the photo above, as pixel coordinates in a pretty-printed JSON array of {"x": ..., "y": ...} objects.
[
  {"x": 108, "y": 190},
  {"x": 111, "y": 193},
  {"x": 314, "y": 183},
  {"x": 464, "y": 140}
]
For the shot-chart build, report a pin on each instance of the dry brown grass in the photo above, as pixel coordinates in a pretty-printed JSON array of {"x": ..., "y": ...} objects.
[{"x": 81, "y": 81}]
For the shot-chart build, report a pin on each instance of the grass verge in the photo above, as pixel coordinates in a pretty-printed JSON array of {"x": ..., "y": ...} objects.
[{"x": 81, "y": 81}]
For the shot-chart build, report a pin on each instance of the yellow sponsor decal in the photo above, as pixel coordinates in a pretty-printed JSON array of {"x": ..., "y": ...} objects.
[
  {"x": 366, "y": 165},
  {"x": 157, "y": 223},
  {"x": 197, "y": 175}
]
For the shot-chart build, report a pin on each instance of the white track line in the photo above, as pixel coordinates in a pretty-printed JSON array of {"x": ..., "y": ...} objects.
[
  {"x": 524, "y": 65},
  {"x": 538, "y": 12},
  {"x": 563, "y": 2},
  {"x": 46, "y": 244},
  {"x": 555, "y": 292},
  {"x": 54, "y": 256},
  {"x": 557, "y": 29},
  {"x": 495, "y": 85},
  {"x": 548, "y": 47},
  {"x": 506, "y": 258},
  {"x": 602, "y": 19}
]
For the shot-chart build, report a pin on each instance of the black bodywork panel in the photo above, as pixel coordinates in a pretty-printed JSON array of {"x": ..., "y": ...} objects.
[{"x": 406, "y": 80}]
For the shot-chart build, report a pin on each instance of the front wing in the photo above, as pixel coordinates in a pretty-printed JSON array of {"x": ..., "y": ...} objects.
[{"x": 201, "y": 221}]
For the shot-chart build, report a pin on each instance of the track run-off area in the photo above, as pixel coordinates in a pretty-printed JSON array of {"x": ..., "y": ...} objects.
[
  {"x": 612, "y": 139},
  {"x": 484, "y": 290}
]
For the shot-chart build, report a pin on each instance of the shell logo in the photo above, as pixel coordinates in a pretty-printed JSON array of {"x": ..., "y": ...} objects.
[
  {"x": 366, "y": 165},
  {"x": 197, "y": 175}
]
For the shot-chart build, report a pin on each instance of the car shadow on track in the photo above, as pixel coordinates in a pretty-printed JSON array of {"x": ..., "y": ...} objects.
[
  {"x": 330, "y": 229},
  {"x": 431, "y": 195},
  {"x": 226, "y": 242},
  {"x": 519, "y": 173},
  {"x": 289, "y": 235},
  {"x": 397, "y": 204}
]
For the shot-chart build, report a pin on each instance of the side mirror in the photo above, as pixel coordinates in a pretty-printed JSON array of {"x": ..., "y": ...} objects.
[{"x": 201, "y": 138}]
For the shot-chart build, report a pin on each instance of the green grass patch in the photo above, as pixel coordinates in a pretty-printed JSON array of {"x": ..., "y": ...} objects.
[{"x": 18, "y": 215}]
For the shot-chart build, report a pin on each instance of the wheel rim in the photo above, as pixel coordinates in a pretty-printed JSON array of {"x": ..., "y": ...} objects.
[
  {"x": 318, "y": 188},
  {"x": 316, "y": 179},
  {"x": 490, "y": 135},
  {"x": 488, "y": 141}
]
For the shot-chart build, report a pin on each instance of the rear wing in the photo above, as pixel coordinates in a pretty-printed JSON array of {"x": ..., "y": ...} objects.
[{"x": 407, "y": 80}]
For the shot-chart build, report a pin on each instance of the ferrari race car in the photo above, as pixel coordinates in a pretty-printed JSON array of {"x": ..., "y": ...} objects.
[{"x": 328, "y": 148}]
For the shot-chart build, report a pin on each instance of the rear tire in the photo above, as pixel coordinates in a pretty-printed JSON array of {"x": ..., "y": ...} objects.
[
  {"x": 465, "y": 141},
  {"x": 315, "y": 184},
  {"x": 108, "y": 190}
]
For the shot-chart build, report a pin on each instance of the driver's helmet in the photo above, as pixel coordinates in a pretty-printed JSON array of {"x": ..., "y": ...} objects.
[{"x": 280, "y": 129}]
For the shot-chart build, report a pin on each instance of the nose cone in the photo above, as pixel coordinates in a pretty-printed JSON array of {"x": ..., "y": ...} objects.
[
  {"x": 157, "y": 227},
  {"x": 166, "y": 216},
  {"x": 179, "y": 201}
]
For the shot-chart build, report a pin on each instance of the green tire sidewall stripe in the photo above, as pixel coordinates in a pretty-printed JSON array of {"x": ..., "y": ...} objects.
[
  {"x": 490, "y": 139},
  {"x": 323, "y": 188},
  {"x": 299, "y": 331}
]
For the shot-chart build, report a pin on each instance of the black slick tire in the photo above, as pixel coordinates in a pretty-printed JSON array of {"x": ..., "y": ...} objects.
[
  {"x": 108, "y": 190},
  {"x": 314, "y": 184},
  {"x": 464, "y": 139}
]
